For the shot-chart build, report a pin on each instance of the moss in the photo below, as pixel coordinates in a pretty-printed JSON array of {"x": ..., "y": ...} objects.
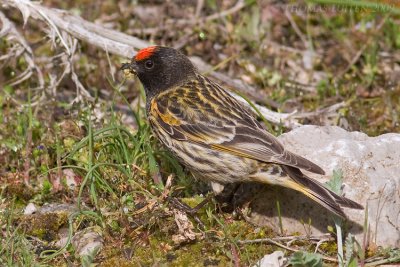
[
  {"x": 44, "y": 226},
  {"x": 116, "y": 261},
  {"x": 197, "y": 254},
  {"x": 19, "y": 191},
  {"x": 193, "y": 201},
  {"x": 329, "y": 248},
  {"x": 213, "y": 250}
]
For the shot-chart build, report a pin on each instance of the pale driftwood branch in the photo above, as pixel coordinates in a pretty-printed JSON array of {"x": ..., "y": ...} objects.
[
  {"x": 109, "y": 40},
  {"x": 121, "y": 44}
]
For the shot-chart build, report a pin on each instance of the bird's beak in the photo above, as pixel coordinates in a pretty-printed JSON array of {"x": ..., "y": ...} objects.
[{"x": 129, "y": 68}]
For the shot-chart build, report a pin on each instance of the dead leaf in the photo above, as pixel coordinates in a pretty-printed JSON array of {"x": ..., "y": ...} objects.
[{"x": 185, "y": 228}]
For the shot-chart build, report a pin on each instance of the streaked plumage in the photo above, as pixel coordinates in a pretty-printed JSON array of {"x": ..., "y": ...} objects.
[{"x": 214, "y": 135}]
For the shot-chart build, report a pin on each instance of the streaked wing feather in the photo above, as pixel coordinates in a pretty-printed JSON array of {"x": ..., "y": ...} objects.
[
  {"x": 326, "y": 197},
  {"x": 203, "y": 118}
]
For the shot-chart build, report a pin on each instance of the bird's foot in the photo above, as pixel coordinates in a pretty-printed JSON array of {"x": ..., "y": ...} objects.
[
  {"x": 176, "y": 203},
  {"x": 193, "y": 212}
]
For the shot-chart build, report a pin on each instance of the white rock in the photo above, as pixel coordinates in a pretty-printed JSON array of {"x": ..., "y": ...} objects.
[
  {"x": 371, "y": 177},
  {"x": 87, "y": 241},
  {"x": 276, "y": 259},
  {"x": 71, "y": 179},
  {"x": 30, "y": 209}
]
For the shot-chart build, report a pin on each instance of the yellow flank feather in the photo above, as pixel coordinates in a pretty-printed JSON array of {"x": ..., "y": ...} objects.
[
  {"x": 166, "y": 117},
  {"x": 298, "y": 187},
  {"x": 286, "y": 181},
  {"x": 232, "y": 151}
]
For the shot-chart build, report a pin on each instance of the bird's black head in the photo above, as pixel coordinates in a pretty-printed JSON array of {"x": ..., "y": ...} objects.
[{"x": 160, "y": 68}]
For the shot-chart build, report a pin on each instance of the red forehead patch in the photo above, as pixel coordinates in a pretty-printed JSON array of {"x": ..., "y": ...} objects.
[{"x": 145, "y": 53}]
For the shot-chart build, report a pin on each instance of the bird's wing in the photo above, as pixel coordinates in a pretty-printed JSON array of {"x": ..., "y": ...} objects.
[{"x": 202, "y": 112}]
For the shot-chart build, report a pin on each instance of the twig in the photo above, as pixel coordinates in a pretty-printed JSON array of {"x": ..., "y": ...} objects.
[
  {"x": 297, "y": 29},
  {"x": 199, "y": 7},
  {"x": 11, "y": 31},
  {"x": 327, "y": 110},
  {"x": 50, "y": 22},
  {"x": 160, "y": 199},
  {"x": 296, "y": 86},
  {"x": 235, "y": 255},
  {"x": 6, "y": 25},
  {"x": 319, "y": 243},
  {"x": 273, "y": 242},
  {"x": 266, "y": 240},
  {"x": 286, "y": 48},
  {"x": 290, "y": 238},
  {"x": 26, "y": 74},
  {"x": 238, "y": 6}
]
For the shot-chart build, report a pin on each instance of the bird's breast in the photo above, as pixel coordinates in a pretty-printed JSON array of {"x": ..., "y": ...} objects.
[{"x": 207, "y": 163}]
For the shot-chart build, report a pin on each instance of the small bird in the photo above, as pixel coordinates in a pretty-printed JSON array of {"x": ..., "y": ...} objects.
[{"x": 214, "y": 135}]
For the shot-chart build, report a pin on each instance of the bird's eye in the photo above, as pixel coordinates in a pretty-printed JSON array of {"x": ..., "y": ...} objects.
[{"x": 149, "y": 64}]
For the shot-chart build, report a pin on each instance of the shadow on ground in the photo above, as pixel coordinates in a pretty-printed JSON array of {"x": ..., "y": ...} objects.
[{"x": 299, "y": 214}]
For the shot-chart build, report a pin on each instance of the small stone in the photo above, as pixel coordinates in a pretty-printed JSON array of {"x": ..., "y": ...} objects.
[
  {"x": 87, "y": 241},
  {"x": 30, "y": 209},
  {"x": 274, "y": 259}
]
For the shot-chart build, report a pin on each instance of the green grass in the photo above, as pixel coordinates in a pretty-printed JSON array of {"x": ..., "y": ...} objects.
[{"x": 15, "y": 248}]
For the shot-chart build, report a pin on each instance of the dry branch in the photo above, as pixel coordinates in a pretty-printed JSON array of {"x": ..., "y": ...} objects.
[
  {"x": 9, "y": 30},
  {"x": 124, "y": 45}
]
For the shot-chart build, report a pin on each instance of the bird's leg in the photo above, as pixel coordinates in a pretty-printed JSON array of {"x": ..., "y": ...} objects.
[
  {"x": 203, "y": 203},
  {"x": 186, "y": 208},
  {"x": 225, "y": 196},
  {"x": 234, "y": 197},
  {"x": 176, "y": 203}
]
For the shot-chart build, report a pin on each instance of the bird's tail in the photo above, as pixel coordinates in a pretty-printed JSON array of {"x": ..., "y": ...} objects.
[{"x": 293, "y": 178}]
